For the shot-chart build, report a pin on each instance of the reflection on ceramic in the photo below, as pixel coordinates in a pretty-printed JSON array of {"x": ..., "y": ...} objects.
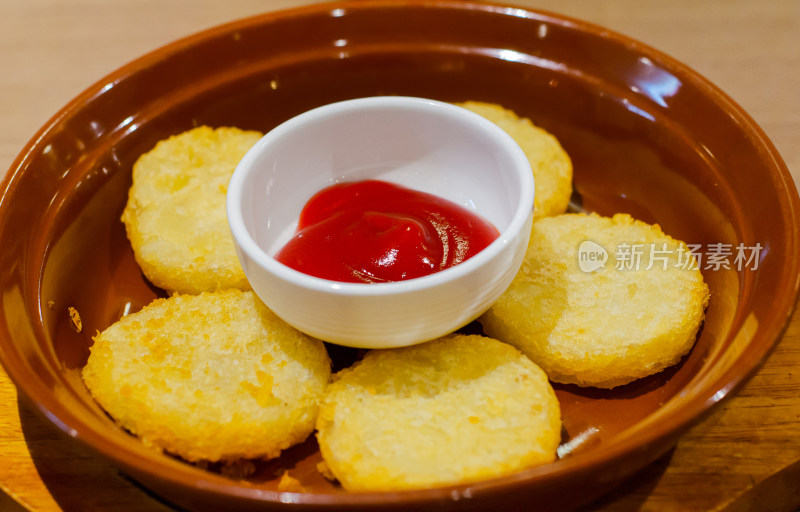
[{"x": 647, "y": 137}]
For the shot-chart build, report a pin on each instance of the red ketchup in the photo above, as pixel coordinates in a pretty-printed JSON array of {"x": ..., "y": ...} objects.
[{"x": 373, "y": 231}]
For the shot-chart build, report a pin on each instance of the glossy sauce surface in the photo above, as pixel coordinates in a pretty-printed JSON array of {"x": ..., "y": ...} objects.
[{"x": 373, "y": 231}]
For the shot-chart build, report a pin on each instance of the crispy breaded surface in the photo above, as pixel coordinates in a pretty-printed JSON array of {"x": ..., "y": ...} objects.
[
  {"x": 453, "y": 410},
  {"x": 211, "y": 377},
  {"x": 552, "y": 167},
  {"x": 607, "y": 327},
  {"x": 175, "y": 216}
]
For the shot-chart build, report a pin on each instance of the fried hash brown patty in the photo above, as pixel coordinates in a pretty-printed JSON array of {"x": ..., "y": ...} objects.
[
  {"x": 552, "y": 168},
  {"x": 606, "y": 327},
  {"x": 175, "y": 216},
  {"x": 453, "y": 410},
  {"x": 211, "y": 377}
]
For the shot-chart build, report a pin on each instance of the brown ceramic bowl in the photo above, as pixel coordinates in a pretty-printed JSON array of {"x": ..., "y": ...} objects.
[{"x": 647, "y": 136}]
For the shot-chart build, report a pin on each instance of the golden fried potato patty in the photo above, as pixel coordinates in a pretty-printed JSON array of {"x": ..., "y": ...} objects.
[
  {"x": 552, "y": 167},
  {"x": 175, "y": 216},
  {"x": 453, "y": 410},
  {"x": 630, "y": 317},
  {"x": 209, "y": 377}
]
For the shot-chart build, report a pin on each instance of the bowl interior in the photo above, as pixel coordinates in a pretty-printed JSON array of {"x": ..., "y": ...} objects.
[
  {"x": 420, "y": 144},
  {"x": 646, "y": 136}
]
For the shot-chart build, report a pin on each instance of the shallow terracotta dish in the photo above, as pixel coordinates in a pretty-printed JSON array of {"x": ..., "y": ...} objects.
[{"x": 647, "y": 136}]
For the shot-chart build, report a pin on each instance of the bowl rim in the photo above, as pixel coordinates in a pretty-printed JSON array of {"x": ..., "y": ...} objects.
[
  {"x": 246, "y": 170},
  {"x": 136, "y": 458}
]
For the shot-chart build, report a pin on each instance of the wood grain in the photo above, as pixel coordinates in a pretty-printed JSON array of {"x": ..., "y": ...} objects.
[{"x": 745, "y": 456}]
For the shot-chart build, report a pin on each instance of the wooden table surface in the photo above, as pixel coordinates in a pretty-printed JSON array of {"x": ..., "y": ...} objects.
[{"x": 745, "y": 456}]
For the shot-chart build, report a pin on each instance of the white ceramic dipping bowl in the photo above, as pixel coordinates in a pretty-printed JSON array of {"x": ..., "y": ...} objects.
[{"x": 418, "y": 143}]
